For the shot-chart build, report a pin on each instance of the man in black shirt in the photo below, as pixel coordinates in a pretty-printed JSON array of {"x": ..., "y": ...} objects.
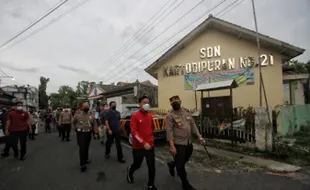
[{"x": 112, "y": 121}]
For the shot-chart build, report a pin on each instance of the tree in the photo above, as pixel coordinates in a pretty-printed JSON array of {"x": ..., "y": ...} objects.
[
  {"x": 67, "y": 96},
  {"x": 43, "y": 97},
  {"x": 83, "y": 88},
  {"x": 55, "y": 100}
]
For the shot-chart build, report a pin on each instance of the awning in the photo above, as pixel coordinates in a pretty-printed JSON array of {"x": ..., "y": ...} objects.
[
  {"x": 95, "y": 97},
  {"x": 217, "y": 85}
]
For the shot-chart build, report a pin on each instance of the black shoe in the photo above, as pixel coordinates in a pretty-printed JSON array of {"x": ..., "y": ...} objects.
[
  {"x": 107, "y": 156},
  {"x": 68, "y": 140},
  {"x": 129, "y": 175},
  {"x": 22, "y": 158},
  {"x": 5, "y": 155},
  {"x": 171, "y": 168},
  {"x": 101, "y": 142},
  {"x": 188, "y": 186},
  {"x": 122, "y": 161},
  {"x": 83, "y": 168},
  {"x": 16, "y": 155},
  {"x": 151, "y": 187},
  {"x": 88, "y": 162}
]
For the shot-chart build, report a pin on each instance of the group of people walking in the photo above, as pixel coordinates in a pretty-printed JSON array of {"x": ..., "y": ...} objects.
[{"x": 81, "y": 123}]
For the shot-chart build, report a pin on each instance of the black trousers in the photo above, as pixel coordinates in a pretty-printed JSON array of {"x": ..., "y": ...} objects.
[
  {"x": 13, "y": 139},
  {"x": 66, "y": 129},
  {"x": 47, "y": 126},
  {"x": 83, "y": 140},
  {"x": 31, "y": 134},
  {"x": 184, "y": 152},
  {"x": 110, "y": 138},
  {"x": 138, "y": 156},
  {"x": 59, "y": 129}
]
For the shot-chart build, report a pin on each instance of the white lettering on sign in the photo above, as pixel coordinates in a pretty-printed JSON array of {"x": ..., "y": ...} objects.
[{"x": 217, "y": 64}]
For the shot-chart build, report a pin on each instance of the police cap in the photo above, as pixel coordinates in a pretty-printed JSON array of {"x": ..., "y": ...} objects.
[{"x": 175, "y": 98}]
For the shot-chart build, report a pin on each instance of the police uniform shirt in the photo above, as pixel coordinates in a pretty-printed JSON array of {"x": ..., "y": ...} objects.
[
  {"x": 180, "y": 127},
  {"x": 83, "y": 121}
]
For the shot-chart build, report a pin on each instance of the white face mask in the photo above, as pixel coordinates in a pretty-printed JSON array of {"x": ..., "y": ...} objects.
[
  {"x": 19, "y": 108},
  {"x": 106, "y": 108},
  {"x": 146, "y": 107}
]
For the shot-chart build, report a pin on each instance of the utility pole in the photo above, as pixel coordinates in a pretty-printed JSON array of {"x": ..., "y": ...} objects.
[{"x": 259, "y": 60}]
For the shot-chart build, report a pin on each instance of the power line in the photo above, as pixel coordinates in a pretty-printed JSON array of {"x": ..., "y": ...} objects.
[
  {"x": 230, "y": 5},
  {"x": 163, "y": 31},
  {"x": 231, "y": 8},
  {"x": 154, "y": 25},
  {"x": 133, "y": 36},
  {"x": 48, "y": 24},
  {"x": 36, "y": 22}
]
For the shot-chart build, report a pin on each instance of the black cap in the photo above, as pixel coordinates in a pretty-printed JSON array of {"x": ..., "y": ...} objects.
[
  {"x": 18, "y": 102},
  {"x": 142, "y": 98},
  {"x": 176, "y": 97}
]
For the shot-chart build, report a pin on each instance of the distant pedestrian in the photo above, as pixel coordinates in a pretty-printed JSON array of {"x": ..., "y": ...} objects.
[
  {"x": 32, "y": 122},
  {"x": 112, "y": 122},
  {"x": 65, "y": 121},
  {"x": 83, "y": 122},
  {"x": 103, "y": 129},
  {"x": 48, "y": 119},
  {"x": 3, "y": 117},
  {"x": 16, "y": 128},
  {"x": 180, "y": 127},
  {"x": 141, "y": 125},
  {"x": 58, "y": 112}
]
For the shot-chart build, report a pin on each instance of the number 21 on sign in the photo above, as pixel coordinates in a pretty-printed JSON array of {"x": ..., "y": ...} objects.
[{"x": 266, "y": 59}]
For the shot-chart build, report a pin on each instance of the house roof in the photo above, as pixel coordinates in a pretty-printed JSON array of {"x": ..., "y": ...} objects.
[
  {"x": 287, "y": 50},
  {"x": 2, "y": 92},
  {"x": 127, "y": 86},
  {"x": 217, "y": 85}
]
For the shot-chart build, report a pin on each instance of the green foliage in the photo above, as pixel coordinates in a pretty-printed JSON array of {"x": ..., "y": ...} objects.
[
  {"x": 43, "y": 97},
  {"x": 298, "y": 67}
]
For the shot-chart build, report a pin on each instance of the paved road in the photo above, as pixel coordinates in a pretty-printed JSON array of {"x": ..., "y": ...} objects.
[{"x": 53, "y": 165}]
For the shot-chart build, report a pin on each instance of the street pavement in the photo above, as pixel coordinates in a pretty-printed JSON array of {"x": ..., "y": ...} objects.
[{"x": 54, "y": 165}]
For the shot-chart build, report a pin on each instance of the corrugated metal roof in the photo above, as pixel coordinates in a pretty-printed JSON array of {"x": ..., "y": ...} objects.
[{"x": 217, "y": 85}]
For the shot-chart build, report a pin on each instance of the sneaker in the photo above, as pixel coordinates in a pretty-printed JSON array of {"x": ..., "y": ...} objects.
[
  {"x": 83, "y": 168},
  {"x": 107, "y": 156},
  {"x": 4, "y": 155},
  {"x": 129, "y": 175},
  {"x": 171, "y": 169},
  {"x": 88, "y": 162},
  {"x": 151, "y": 187},
  {"x": 122, "y": 161},
  {"x": 22, "y": 158}
]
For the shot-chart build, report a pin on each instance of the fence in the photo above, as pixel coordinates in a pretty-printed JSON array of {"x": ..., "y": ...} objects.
[{"x": 243, "y": 129}]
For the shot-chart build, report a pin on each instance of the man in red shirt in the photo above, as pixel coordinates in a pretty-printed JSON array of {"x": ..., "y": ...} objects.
[
  {"x": 16, "y": 128},
  {"x": 141, "y": 125}
]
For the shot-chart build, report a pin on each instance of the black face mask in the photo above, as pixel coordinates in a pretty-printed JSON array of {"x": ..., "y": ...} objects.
[
  {"x": 31, "y": 112},
  {"x": 86, "y": 110},
  {"x": 176, "y": 105},
  {"x": 3, "y": 111},
  {"x": 113, "y": 107}
]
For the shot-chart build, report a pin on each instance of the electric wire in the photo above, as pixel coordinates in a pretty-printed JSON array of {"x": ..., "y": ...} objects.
[
  {"x": 34, "y": 23},
  {"x": 136, "y": 34},
  {"x": 161, "y": 33},
  {"x": 169, "y": 13},
  {"x": 175, "y": 34},
  {"x": 58, "y": 18}
]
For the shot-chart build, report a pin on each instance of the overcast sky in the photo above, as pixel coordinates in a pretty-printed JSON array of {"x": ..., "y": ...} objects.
[{"x": 78, "y": 46}]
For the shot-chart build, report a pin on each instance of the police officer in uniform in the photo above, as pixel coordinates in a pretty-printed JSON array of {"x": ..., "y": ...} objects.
[
  {"x": 65, "y": 121},
  {"x": 83, "y": 122},
  {"x": 180, "y": 126}
]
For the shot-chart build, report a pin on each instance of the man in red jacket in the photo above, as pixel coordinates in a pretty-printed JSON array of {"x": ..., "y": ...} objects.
[
  {"x": 141, "y": 125},
  {"x": 16, "y": 128}
]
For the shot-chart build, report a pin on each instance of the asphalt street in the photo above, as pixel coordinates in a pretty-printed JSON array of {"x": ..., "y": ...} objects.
[{"x": 53, "y": 165}]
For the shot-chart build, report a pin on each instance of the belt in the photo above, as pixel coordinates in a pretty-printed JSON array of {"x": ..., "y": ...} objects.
[{"x": 83, "y": 130}]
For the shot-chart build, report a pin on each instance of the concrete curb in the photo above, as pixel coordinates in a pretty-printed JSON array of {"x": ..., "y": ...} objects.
[{"x": 270, "y": 164}]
